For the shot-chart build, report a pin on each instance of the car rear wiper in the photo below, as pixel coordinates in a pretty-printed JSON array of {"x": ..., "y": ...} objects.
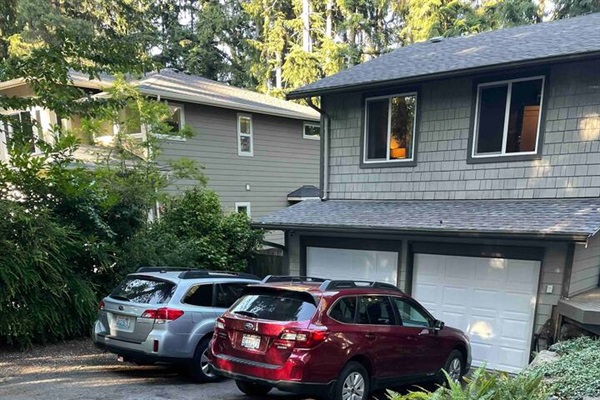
[
  {"x": 117, "y": 297},
  {"x": 246, "y": 313}
]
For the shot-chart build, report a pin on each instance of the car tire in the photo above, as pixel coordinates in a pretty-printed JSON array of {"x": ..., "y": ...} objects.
[
  {"x": 200, "y": 371},
  {"x": 253, "y": 389},
  {"x": 454, "y": 367},
  {"x": 352, "y": 383}
]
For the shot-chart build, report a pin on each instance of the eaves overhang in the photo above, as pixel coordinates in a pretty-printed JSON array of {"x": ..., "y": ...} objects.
[{"x": 416, "y": 79}]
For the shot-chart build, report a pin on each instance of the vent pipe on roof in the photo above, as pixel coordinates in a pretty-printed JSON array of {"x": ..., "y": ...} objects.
[{"x": 436, "y": 39}]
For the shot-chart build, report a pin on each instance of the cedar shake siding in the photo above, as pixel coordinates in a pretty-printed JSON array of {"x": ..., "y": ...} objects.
[{"x": 570, "y": 154}]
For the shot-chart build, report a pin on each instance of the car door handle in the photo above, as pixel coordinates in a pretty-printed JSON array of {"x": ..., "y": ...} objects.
[{"x": 370, "y": 336}]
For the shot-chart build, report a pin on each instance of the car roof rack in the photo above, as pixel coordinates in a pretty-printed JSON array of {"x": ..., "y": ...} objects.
[
  {"x": 162, "y": 269},
  {"x": 291, "y": 279},
  {"x": 202, "y": 273},
  {"x": 350, "y": 284}
]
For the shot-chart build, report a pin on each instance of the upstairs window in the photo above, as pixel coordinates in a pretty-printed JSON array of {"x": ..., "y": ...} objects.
[
  {"x": 176, "y": 120},
  {"x": 507, "y": 119},
  {"x": 390, "y": 128},
  {"x": 311, "y": 131},
  {"x": 245, "y": 137}
]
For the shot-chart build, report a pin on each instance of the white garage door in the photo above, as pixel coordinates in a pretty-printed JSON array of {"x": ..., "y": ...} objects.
[
  {"x": 352, "y": 264},
  {"x": 492, "y": 299}
]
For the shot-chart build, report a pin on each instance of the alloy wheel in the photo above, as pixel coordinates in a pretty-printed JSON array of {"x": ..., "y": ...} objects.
[
  {"x": 205, "y": 365},
  {"x": 354, "y": 387},
  {"x": 455, "y": 369}
]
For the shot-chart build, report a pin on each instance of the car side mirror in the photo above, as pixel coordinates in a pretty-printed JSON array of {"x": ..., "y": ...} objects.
[{"x": 438, "y": 325}]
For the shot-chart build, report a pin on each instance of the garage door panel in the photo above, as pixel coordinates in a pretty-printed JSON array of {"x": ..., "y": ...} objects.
[
  {"x": 491, "y": 299},
  {"x": 456, "y": 271},
  {"x": 454, "y": 295},
  {"x": 486, "y": 299},
  {"x": 513, "y": 329}
]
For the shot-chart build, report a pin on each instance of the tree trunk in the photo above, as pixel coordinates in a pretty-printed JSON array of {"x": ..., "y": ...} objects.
[
  {"x": 329, "y": 21},
  {"x": 306, "y": 40}
]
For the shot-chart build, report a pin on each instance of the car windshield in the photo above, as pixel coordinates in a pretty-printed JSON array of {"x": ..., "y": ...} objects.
[
  {"x": 143, "y": 289},
  {"x": 276, "y": 306}
]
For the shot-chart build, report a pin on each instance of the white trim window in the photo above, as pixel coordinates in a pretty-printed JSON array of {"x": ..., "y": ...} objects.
[
  {"x": 508, "y": 117},
  {"x": 390, "y": 126},
  {"x": 311, "y": 131},
  {"x": 176, "y": 121},
  {"x": 27, "y": 130},
  {"x": 243, "y": 207},
  {"x": 245, "y": 137}
]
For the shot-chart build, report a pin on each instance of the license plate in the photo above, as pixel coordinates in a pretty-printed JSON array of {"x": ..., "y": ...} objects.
[
  {"x": 251, "y": 342},
  {"x": 123, "y": 322}
]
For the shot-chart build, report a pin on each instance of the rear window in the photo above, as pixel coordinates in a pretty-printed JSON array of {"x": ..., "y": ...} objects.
[
  {"x": 147, "y": 290},
  {"x": 276, "y": 306}
]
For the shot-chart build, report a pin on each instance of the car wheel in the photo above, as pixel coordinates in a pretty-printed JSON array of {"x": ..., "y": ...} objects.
[
  {"x": 201, "y": 370},
  {"x": 352, "y": 384},
  {"x": 253, "y": 389},
  {"x": 453, "y": 367}
]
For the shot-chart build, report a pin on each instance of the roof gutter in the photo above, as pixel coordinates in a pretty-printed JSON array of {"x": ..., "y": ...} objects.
[
  {"x": 299, "y": 94},
  {"x": 562, "y": 237},
  {"x": 325, "y": 149}
]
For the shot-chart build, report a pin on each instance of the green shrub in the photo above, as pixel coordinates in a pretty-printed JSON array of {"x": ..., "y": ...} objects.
[
  {"x": 483, "y": 385},
  {"x": 576, "y": 374},
  {"x": 43, "y": 298},
  {"x": 194, "y": 232}
]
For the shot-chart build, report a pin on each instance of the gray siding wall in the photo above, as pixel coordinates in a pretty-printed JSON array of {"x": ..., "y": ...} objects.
[
  {"x": 282, "y": 162},
  {"x": 552, "y": 269},
  {"x": 570, "y": 164},
  {"x": 586, "y": 267}
]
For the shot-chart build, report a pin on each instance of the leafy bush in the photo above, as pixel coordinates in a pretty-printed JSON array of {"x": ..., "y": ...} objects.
[
  {"x": 194, "y": 232},
  {"x": 484, "y": 385},
  {"x": 576, "y": 374},
  {"x": 42, "y": 296}
]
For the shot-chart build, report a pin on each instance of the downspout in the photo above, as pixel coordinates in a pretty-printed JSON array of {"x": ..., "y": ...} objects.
[{"x": 325, "y": 138}]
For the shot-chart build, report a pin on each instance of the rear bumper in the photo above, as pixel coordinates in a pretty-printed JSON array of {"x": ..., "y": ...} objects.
[
  {"x": 302, "y": 388},
  {"x": 139, "y": 356}
]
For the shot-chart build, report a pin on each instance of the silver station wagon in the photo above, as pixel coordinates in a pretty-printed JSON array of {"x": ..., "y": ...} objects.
[{"x": 167, "y": 315}]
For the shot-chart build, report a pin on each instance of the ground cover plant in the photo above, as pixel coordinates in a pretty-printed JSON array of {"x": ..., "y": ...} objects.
[{"x": 576, "y": 374}]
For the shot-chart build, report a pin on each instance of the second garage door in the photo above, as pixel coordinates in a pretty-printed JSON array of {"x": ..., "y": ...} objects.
[{"x": 492, "y": 299}]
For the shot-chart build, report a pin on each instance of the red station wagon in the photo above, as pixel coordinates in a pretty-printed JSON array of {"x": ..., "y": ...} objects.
[{"x": 331, "y": 338}]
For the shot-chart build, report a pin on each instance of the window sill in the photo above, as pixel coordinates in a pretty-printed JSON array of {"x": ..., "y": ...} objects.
[
  {"x": 503, "y": 158},
  {"x": 245, "y": 154},
  {"x": 388, "y": 164},
  {"x": 170, "y": 137}
]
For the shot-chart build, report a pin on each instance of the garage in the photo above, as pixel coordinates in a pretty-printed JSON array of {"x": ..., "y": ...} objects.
[
  {"x": 334, "y": 263},
  {"x": 492, "y": 299}
]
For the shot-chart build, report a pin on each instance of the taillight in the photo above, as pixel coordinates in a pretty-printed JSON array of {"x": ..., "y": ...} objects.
[
  {"x": 101, "y": 305},
  {"x": 304, "y": 338},
  {"x": 220, "y": 327},
  {"x": 163, "y": 315}
]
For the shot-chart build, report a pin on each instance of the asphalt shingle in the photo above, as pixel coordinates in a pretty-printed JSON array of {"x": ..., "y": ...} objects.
[
  {"x": 538, "y": 217},
  {"x": 500, "y": 48}
]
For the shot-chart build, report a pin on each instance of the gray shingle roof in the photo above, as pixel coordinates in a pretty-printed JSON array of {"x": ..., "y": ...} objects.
[
  {"x": 306, "y": 191},
  {"x": 196, "y": 89},
  {"x": 573, "y": 218},
  {"x": 494, "y": 49}
]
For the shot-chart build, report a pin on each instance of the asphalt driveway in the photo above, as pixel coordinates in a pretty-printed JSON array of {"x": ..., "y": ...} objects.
[{"x": 75, "y": 370}]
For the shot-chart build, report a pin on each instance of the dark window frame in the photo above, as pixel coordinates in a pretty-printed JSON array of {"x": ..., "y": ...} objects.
[
  {"x": 491, "y": 81},
  {"x": 394, "y": 163}
]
